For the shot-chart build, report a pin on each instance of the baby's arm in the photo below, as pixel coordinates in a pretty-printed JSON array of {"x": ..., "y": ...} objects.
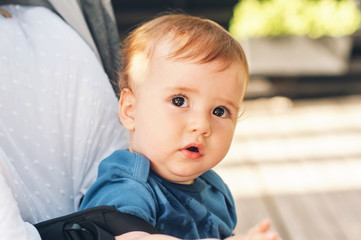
[
  {"x": 258, "y": 232},
  {"x": 147, "y": 236},
  {"x": 144, "y": 236}
]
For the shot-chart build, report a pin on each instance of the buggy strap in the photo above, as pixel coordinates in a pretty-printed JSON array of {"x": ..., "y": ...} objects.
[{"x": 97, "y": 223}]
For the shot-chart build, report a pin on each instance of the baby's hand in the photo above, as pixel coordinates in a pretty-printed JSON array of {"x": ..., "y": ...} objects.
[{"x": 258, "y": 232}]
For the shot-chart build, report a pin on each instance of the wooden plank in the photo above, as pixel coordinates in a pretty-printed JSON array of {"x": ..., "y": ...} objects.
[{"x": 312, "y": 216}]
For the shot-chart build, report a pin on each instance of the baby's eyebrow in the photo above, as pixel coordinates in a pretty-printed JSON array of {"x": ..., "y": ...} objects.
[
  {"x": 230, "y": 103},
  {"x": 183, "y": 89}
]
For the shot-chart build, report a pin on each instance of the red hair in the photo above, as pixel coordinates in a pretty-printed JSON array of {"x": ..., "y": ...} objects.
[{"x": 190, "y": 38}]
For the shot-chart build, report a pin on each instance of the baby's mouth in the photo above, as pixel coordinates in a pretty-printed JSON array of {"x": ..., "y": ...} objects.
[{"x": 193, "y": 149}]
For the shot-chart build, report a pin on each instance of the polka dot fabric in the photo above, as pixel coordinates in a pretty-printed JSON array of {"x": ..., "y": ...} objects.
[{"x": 58, "y": 113}]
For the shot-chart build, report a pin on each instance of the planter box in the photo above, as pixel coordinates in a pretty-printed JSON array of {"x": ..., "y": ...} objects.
[{"x": 289, "y": 56}]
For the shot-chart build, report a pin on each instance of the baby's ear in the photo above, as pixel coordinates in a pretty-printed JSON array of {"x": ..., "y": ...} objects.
[{"x": 127, "y": 109}]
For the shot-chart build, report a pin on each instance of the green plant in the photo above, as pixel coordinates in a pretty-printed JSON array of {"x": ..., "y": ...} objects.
[{"x": 312, "y": 18}]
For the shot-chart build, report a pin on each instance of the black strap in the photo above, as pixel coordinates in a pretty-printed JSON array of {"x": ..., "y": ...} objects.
[
  {"x": 98, "y": 223},
  {"x": 87, "y": 230},
  {"x": 43, "y": 3}
]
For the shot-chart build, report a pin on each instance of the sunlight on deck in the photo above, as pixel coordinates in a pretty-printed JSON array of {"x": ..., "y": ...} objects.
[
  {"x": 282, "y": 146},
  {"x": 298, "y": 163}
]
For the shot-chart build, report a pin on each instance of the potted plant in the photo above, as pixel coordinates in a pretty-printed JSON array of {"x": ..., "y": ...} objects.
[{"x": 296, "y": 37}]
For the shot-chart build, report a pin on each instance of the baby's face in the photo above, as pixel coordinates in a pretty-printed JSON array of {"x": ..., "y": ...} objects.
[{"x": 185, "y": 116}]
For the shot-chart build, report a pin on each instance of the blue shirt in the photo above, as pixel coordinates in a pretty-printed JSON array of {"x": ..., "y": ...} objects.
[{"x": 204, "y": 209}]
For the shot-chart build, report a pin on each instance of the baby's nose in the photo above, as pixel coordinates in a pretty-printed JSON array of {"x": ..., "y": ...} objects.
[{"x": 201, "y": 124}]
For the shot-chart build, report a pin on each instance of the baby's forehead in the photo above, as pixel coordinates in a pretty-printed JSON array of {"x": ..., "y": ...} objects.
[
  {"x": 171, "y": 50},
  {"x": 167, "y": 49}
]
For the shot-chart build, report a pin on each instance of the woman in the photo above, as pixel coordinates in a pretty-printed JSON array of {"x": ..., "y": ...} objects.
[{"x": 57, "y": 118}]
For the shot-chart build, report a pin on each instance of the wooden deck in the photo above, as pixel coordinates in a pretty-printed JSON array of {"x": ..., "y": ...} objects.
[{"x": 298, "y": 163}]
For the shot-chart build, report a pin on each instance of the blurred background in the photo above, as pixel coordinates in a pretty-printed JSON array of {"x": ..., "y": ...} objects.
[{"x": 296, "y": 154}]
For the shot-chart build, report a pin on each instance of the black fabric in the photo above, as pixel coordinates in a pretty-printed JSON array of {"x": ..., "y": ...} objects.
[{"x": 98, "y": 223}]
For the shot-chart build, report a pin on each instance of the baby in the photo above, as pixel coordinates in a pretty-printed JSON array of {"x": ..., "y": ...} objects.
[{"x": 182, "y": 83}]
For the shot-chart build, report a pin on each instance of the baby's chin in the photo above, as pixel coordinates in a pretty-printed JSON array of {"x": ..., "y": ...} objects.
[{"x": 173, "y": 178}]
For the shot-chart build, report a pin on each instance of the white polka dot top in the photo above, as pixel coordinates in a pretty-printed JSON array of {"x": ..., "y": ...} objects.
[{"x": 58, "y": 113}]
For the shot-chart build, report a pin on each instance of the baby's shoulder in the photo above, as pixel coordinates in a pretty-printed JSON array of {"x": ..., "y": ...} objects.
[
  {"x": 126, "y": 164},
  {"x": 214, "y": 180}
]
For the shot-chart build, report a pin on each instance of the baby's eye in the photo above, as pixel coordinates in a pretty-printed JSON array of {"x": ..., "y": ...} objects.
[
  {"x": 180, "y": 101},
  {"x": 221, "y": 112}
]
